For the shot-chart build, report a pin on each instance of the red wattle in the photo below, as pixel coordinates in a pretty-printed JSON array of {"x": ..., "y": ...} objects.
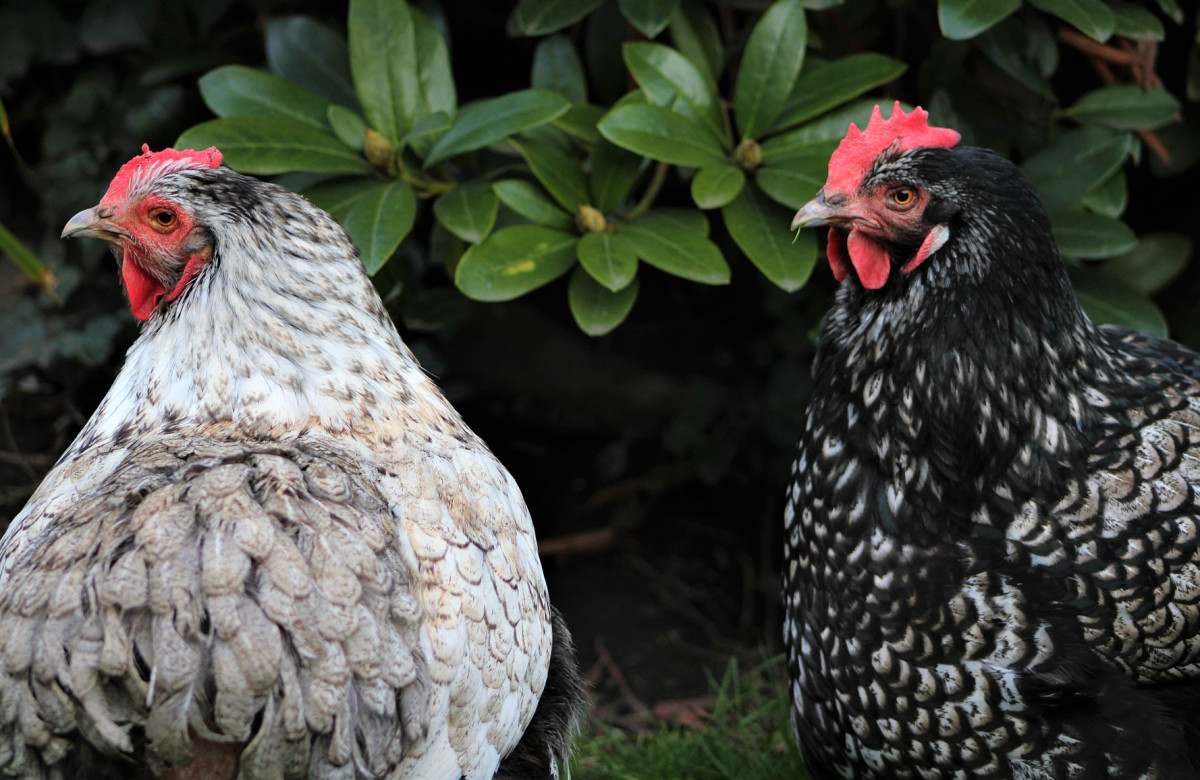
[
  {"x": 142, "y": 289},
  {"x": 835, "y": 249},
  {"x": 870, "y": 260}
]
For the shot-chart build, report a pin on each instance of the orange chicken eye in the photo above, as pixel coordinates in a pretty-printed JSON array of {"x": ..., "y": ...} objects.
[
  {"x": 163, "y": 219},
  {"x": 903, "y": 196}
]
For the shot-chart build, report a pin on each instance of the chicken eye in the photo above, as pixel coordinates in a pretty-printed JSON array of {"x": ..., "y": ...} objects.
[
  {"x": 903, "y": 196},
  {"x": 163, "y": 219}
]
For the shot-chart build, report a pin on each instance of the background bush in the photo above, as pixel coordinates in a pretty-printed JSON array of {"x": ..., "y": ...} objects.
[{"x": 577, "y": 213}]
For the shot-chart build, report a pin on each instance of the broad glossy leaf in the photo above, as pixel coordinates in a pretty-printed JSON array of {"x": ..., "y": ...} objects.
[
  {"x": 306, "y": 52},
  {"x": 1093, "y": 18},
  {"x": 427, "y": 128},
  {"x": 383, "y": 59},
  {"x": 489, "y": 121},
  {"x": 1110, "y": 197},
  {"x": 267, "y": 146},
  {"x": 558, "y": 172},
  {"x": 598, "y": 311},
  {"x": 660, "y": 134},
  {"x": 613, "y": 173},
  {"x": 650, "y": 17},
  {"x": 511, "y": 262},
  {"x": 235, "y": 90},
  {"x": 667, "y": 246},
  {"x": 376, "y": 214},
  {"x": 1125, "y": 107},
  {"x": 760, "y": 228},
  {"x": 348, "y": 126},
  {"x": 528, "y": 200},
  {"x": 1150, "y": 266},
  {"x": 542, "y": 17},
  {"x": 436, "y": 80},
  {"x": 1071, "y": 166},
  {"x": 696, "y": 36},
  {"x": 770, "y": 65},
  {"x": 1137, "y": 23},
  {"x": 558, "y": 68},
  {"x": 1019, "y": 49},
  {"x": 1081, "y": 233},
  {"x": 580, "y": 121},
  {"x": 831, "y": 84},
  {"x": 1109, "y": 301},
  {"x": 829, "y": 128},
  {"x": 609, "y": 258},
  {"x": 964, "y": 19},
  {"x": 1171, "y": 10},
  {"x": 794, "y": 185},
  {"x": 715, "y": 185},
  {"x": 468, "y": 211},
  {"x": 670, "y": 80},
  {"x": 688, "y": 220}
]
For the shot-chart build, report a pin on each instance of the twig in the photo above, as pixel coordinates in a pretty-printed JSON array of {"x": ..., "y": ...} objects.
[{"x": 589, "y": 542}]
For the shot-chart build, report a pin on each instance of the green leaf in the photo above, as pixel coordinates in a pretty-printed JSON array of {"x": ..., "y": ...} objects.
[
  {"x": 542, "y": 17},
  {"x": 1081, "y": 233},
  {"x": 235, "y": 90},
  {"x": 760, "y": 228},
  {"x": 580, "y": 122},
  {"x": 793, "y": 186},
  {"x": 613, "y": 174},
  {"x": 26, "y": 260},
  {"x": 527, "y": 199},
  {"x": 267, "y": 146},
  {"x": 667, "y": 246},
  {"x": 770, "y": 65},
  {"x": 427, "y": 127},
  {"x": 660, "y": 134},
  {"x": 558, "y": 172},
  {"x": 1137, "y": 23},
  {"x": 1150, "y": 266},
  {"x": 1110, "y": 197},
  {"x": 669, "y": 80},
  {"x": 306, "y": 52},
  {"x": 650, "y": 17},
  {"x": 557, "y": 67},
  {"x": 695, "y": 34},
  {"x": 511, "y": 262},
  {"x": 488, "y": 121},
  {"x": 598, "y": 311},
  {"x": 468, "y": 211},
  {"x": 964, "y": 19},
  {"x": 1065, "y": 171},
  {"x": 1124, "y": 107},
  {"x": 437, "y": 91},
  {"x": 1107, "y": 300},
  {"x": 383, "y": 59},
  {"x": 713, "y": 186},
  {"x": 609, "y": 258},
  {"x": 1091, "y": 17},
  {"x": 687, "y": 220},
  {"x": 376, "y": 214},
  {"x": 348, "y": 126},
  {"x": 831, "y": 84}
]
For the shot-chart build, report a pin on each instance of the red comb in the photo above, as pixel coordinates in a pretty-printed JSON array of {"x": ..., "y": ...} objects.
[
  {"x": 859, "y": 149},
  {"x": 149, "y": 165}
]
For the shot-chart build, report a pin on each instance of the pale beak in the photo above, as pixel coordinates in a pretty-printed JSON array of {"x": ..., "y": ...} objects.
[
  {"x": 815, "y": 213},
  {"x": 93, "y": 223}
]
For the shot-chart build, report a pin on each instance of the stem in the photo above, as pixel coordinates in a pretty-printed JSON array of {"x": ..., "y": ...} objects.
[{"x": 656, "y": 183}]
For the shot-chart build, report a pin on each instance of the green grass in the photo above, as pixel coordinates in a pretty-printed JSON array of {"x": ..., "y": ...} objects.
[{"x": 748, "y": 736}]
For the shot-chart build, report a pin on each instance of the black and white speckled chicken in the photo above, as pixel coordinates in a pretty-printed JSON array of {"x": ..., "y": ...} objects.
[
  {"x": 275, "y": 551},
  {"x": 992, "y": 564}
]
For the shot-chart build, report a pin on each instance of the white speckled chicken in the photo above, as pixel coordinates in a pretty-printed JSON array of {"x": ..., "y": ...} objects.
[
  {"x": 275, "y": 551},
  {"x": 993, "y": 534}
]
